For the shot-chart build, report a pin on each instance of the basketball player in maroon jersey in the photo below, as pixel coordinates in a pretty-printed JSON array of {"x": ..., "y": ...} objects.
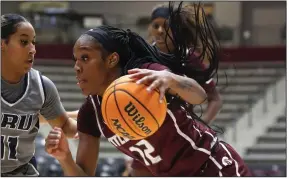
[
  {"x": 158, "y": 32},
  {"x": 183, "y": 146}
]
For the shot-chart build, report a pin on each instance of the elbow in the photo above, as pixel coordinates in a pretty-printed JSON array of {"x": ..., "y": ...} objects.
[{"x": 215, "y": 98}]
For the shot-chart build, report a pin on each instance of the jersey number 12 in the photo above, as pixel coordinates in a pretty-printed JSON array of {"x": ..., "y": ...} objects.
[{"x": 146, "y": 153}]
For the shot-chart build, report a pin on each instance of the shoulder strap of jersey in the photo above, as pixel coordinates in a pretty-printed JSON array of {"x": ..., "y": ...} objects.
[
  {"x": 40, "y": 84},
  {"x": 96, "y": 114}
]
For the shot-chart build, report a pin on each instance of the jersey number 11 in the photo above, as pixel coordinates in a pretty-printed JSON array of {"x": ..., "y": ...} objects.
[{"x": 12, "y": 142}]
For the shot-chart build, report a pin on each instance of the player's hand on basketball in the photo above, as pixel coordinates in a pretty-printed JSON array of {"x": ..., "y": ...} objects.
[
  {"x": 56, "y": 144},
  {"x": 156, "y": 79}
]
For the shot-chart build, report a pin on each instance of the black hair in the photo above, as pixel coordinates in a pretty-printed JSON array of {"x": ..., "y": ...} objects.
[
  {"x": 9, "y": 24},
  {"x": 134, "y": 51},
  {"x": 192, "y": 32}
]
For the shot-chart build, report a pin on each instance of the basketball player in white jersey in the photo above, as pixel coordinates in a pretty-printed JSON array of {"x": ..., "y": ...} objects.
[{"x": 25, "y": 94}]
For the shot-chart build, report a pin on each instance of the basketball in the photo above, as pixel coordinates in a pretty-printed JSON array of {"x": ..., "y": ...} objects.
[{"x": 130, "y": 111}]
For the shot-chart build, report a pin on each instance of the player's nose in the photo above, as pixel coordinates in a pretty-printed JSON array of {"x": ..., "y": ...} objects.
[
  {"x": 77, "y": 67},
  {"x": 160, "y": 30},
  {"x": 32, "y": 50}
]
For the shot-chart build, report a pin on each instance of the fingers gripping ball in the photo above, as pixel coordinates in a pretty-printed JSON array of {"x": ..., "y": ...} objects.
[{"x": 130, "y": 111}]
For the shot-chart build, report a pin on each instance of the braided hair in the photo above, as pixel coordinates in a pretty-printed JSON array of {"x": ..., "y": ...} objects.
[
  {"x": 133, "y": 50},
  {"x": 192, "y": 32}
]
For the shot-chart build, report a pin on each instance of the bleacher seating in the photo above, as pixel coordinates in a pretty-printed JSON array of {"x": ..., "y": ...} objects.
[{"x": 271, "y": 146}]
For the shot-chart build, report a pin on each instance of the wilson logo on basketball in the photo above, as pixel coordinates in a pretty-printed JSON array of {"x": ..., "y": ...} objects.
[
  {"x": 136, "y": 117},
  {"x": 120, "y": 129},
  {"x": 130, "y": 111}
]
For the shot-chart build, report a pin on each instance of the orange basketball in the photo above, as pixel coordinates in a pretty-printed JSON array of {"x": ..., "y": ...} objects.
[{"x": 130, "y": 111}]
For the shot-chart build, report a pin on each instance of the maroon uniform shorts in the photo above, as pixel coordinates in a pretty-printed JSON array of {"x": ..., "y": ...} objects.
[{"x": 228, "y": 163}]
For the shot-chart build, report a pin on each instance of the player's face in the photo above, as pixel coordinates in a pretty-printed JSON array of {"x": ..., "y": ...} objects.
[
  {"x": 18, "y": 53},
  {"x": 91, "y": 69},
  {"x": 158, "y": 31}
]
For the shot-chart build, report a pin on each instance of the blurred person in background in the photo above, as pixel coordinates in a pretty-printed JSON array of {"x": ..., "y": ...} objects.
[
  {"x": 160, "y": 36},
  {"x": 25, "y": 94}
]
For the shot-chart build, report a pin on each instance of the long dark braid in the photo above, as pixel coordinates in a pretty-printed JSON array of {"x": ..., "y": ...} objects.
[{"x": 190, "y": 28}]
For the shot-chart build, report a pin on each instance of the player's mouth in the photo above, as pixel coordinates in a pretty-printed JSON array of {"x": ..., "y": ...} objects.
[
  {"x": 159, "y": 40},
  {"x": 80, "y": 81},
  {"x": 30, "y": 61}
]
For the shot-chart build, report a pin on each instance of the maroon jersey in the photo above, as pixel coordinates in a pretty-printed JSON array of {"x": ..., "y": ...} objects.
[
  {"x": 195, "y": 62},
  {"x": 181, "y": 146}
]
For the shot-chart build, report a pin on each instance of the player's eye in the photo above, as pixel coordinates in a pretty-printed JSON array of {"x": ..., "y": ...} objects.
[
  {"x": 156, "y": 26},
  {"x": 24, "y": 42},
  {"x": 84, "y": 57}
]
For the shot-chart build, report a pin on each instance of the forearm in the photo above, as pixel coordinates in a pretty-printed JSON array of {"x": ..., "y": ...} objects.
[
  {"x": 70, "y": 168},
  {"x": 188, "y": 89},
  {"x": 212, "y": 110},
  {"x": 214, "y": 103},
  {"x": 70, "y": 128}
]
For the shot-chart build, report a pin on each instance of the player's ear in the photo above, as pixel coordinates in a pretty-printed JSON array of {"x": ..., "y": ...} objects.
[
  {"x": 3, "y": 44},
  {"x": 112, "y": 60}
]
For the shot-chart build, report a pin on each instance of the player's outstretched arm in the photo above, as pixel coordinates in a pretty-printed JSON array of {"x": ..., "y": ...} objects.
[
  {"x": 67, "y": 124},
  {"x": 72, "y": 114},
  {"x": 53, "y": 111},
  {"x": 187, "y": 88},
  {"x": 68, "y": 127},
  {"x": 87, "y": 153}
]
